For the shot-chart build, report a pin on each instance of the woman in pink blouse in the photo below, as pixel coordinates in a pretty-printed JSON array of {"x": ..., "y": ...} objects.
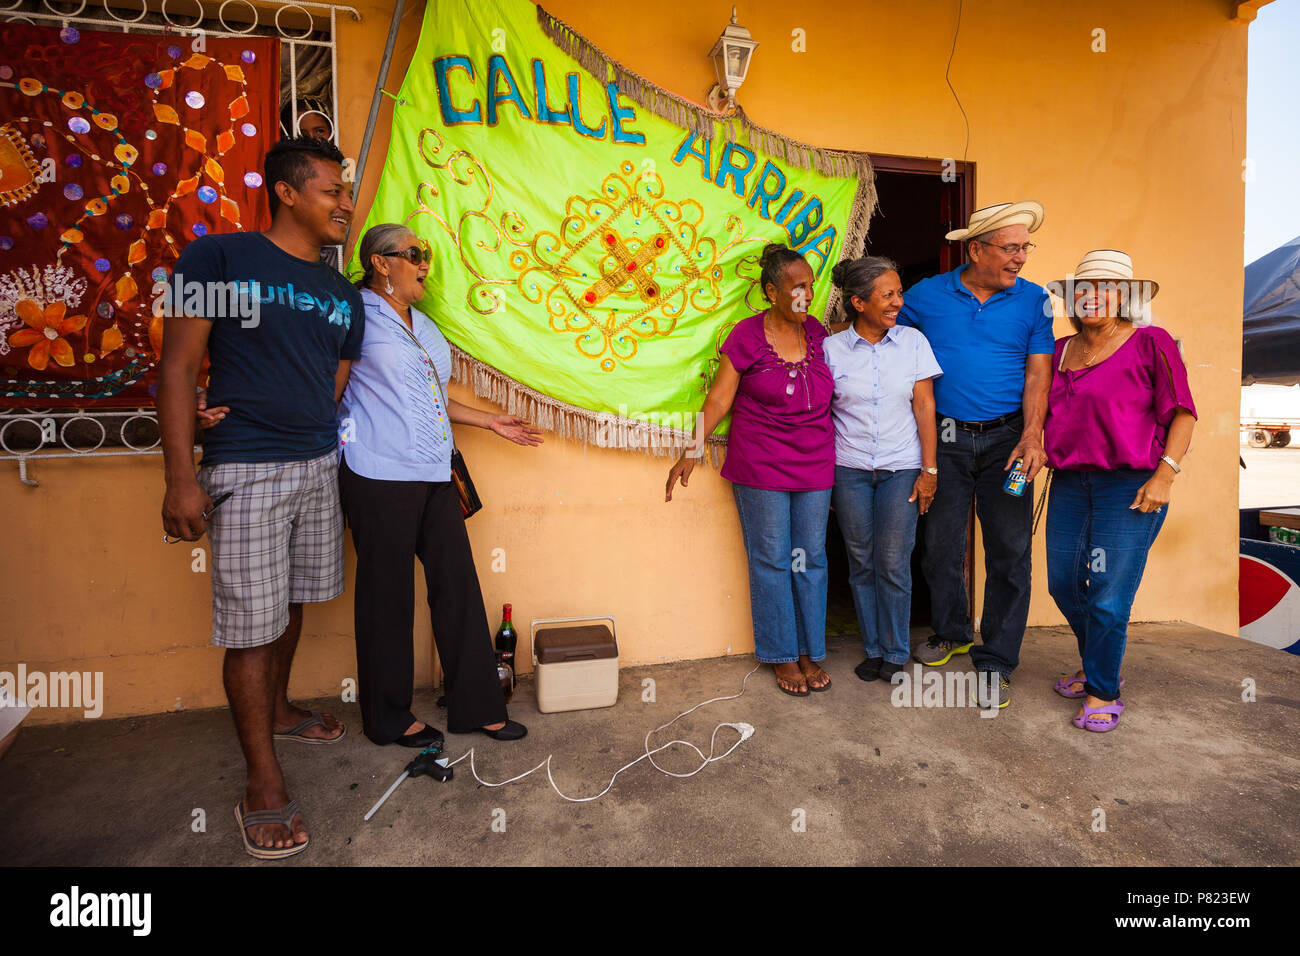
[
  {"x": 774, "y": 381},
  {"x": 1119, "y": 420}
]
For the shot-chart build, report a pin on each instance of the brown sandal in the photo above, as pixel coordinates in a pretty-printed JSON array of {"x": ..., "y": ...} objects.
[
  {"x": 791, "y": 680},
  {"x": 812, "y": 677}
]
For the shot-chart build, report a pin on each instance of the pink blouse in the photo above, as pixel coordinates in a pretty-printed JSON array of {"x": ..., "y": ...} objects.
[
  {"x": 781, "y": 434},
  {"x": 1116, "y": 414}
]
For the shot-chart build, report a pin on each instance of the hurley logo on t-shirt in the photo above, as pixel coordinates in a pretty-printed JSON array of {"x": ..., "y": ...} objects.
[{"x": 338, "y": 311}]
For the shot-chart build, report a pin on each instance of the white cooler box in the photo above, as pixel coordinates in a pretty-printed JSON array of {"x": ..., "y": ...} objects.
[{"x": 575, "y": 663}]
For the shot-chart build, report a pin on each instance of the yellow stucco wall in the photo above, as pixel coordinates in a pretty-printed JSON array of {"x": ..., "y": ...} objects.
[{"x": 1139, "y": 147}]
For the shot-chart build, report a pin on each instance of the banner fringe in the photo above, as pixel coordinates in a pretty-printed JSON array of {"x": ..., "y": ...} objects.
[{"x": 600, "y": 429}]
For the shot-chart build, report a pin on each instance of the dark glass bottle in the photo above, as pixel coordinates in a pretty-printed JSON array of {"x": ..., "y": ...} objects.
[{"x": 506, "y": 640}]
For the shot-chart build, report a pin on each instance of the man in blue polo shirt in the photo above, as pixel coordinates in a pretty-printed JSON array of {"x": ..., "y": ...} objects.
[{"x": 991, "y": 332}]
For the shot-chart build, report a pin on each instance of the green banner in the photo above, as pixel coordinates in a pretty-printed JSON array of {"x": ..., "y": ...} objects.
[{"x": 589, "y": 253}]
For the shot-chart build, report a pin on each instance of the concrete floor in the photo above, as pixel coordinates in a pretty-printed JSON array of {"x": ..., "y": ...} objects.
[{"x": 1193, "y": 776}]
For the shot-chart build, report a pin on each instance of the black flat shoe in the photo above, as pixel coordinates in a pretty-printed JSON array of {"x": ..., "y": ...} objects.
[
  {"x": 888, "y": 670},
  {"x": 869, "y": 669},
  {"x": 422, "y": 738},
  {"x": 513, "y": 730}
]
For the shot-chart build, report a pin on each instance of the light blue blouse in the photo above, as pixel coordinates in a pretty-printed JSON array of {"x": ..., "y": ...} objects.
[
  {"x": 392, "y": 422},
  {"x": 875, "y": 426}
]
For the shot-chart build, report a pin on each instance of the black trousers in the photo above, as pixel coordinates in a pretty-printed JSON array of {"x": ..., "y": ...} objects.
[{"x": 393, "y": 522}]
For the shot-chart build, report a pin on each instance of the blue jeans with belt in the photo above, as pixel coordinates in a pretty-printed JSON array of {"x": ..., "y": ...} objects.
[
  {"x": 785, "y": 541},
  {"x": 879, "y": 528},
  {"x": 971, "y": 466},
  {"x": 1096, "y": 552}
]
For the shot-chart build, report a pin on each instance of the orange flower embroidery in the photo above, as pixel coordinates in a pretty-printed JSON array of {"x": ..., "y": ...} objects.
[{"x": 45, "y": 336}]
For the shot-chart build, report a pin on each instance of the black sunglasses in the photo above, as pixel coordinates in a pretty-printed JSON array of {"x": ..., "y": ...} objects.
[{"x": 415, "y": 254}]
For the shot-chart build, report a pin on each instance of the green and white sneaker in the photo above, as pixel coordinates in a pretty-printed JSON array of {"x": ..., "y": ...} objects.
[{"x": 937, "y": 651}]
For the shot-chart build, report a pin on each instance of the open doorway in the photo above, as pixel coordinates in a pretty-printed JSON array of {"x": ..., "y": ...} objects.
[{"x": 919, "y": 201}]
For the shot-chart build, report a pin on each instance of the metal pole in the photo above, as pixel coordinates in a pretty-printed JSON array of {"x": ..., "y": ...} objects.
[
  {"x": 375, "y": 100},
  {"x": 334, "y": 85}
]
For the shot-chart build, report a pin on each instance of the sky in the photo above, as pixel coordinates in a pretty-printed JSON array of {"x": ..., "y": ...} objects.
[{"x": 1273, "y": 129}]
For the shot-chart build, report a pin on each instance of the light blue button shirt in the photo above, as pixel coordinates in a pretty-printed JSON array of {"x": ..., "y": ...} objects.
[
  {"x": 392, "y": 423},
  {"x": 875, "y": 426}
]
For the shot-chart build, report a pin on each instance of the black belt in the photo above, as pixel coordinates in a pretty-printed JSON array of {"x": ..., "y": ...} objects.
[{"x": 983, "y": 426}]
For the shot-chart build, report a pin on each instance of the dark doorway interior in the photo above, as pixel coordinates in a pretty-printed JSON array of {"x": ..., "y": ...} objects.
[{"x": 919, "y": 201}]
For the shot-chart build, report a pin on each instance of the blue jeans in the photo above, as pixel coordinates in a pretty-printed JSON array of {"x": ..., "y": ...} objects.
[
  {"x": 1096, "y": 552},
  {"x": 970, "y": 466},
  {"x": 785, "y": 540},
  {"x": 879, "y": 528}
]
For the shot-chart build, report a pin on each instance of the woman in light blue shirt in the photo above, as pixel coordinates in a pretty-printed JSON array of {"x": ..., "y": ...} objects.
[
  {"x": 885, "y": 453},
  {"x": 395, "y": 479}
]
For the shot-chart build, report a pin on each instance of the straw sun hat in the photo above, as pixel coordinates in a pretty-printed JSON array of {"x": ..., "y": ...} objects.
[
  {"x": 1112, "y": 266},
  {"x": 992, "y": 218}
]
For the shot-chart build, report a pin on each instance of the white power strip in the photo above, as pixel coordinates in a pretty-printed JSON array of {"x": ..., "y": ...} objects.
[{"x": 745, "y": 730}]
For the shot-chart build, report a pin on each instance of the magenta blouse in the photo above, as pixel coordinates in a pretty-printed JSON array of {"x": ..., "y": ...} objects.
[
  {"x": 1117, "y": 413},
  {"x": 781, "y": 434}
]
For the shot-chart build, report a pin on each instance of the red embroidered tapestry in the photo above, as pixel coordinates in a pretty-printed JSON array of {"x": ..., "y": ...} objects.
[{"x": 115, "y": 151}]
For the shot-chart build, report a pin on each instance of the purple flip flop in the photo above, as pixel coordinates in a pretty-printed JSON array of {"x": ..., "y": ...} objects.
[
  {"x": 1086, "y": 721},
  {"x": 1062, "y": 687}
]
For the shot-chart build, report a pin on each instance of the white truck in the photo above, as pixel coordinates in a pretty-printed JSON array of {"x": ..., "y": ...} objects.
[{"x": 1268, "y": 413}]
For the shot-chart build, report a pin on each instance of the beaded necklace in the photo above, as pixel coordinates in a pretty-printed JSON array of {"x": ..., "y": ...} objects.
[
  {"x": 431, "y": 374},
  {"x": 798, "y": 370}
]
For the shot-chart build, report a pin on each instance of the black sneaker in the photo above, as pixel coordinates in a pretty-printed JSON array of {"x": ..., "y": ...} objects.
[
  {"x": 888, "y": 670},
  {"x": 869, "y": 669}
]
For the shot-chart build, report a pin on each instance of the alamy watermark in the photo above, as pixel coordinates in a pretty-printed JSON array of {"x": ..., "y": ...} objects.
[
  {"x": 76, "y": 908},
  {"x": 210, "y": 300},
  {"x": 77, "y": 689},
  {"x": 1131, "y": 293},
  {"x": 949, "y": 688}
]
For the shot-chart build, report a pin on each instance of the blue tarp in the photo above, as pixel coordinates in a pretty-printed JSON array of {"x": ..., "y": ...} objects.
[{"x": 1270, "y": 350}]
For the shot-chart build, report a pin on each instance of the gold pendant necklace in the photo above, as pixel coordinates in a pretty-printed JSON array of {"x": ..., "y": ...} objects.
[{"x": 1088, "y": 361}]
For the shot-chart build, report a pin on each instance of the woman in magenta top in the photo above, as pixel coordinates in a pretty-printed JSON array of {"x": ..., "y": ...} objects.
[
  {"x": 1119, "y": 420},
  {"x": 774, "y": 380}
]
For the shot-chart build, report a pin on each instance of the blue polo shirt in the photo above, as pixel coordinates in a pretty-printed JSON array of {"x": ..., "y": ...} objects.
[{"x": 982, "y": 347}]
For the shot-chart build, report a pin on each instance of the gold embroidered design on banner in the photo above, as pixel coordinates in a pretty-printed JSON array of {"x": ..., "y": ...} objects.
[
  {"x": 626, "y": 265},
  {"x": 464, "y": 169}
]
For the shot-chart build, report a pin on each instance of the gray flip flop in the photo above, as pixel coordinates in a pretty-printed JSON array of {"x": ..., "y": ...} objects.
[
  {"x": 315, "y": 720},
  {"x": 282, "y": 817}
]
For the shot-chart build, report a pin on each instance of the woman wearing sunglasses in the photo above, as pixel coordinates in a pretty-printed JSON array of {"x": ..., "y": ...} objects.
[{"x": 395, "y": 431}]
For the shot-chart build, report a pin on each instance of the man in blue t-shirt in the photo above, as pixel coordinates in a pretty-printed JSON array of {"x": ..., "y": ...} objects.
[
  {"x": 281, "y": 329},
  {"x": 991, "y": 332}
]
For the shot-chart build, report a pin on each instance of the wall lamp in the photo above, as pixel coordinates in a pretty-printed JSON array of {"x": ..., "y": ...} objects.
[{"x": 731, "y": 58}]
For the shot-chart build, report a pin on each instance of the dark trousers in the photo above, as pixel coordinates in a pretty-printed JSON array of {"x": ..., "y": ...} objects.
[
  {"x": 392, "y": 523},
  {"x": 970, "y": 466}
]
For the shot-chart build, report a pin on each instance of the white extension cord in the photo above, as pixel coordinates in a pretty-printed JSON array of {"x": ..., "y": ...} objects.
[{"x": 745, "y": 730}]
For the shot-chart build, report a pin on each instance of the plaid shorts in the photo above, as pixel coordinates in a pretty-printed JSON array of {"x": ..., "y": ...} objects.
[{"x": 278, "y": 540}]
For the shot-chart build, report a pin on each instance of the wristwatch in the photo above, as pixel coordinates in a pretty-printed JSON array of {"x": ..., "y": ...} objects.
[
  {"x": 935, "y": 471},
  {"x": 1171, "y": 463}
]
